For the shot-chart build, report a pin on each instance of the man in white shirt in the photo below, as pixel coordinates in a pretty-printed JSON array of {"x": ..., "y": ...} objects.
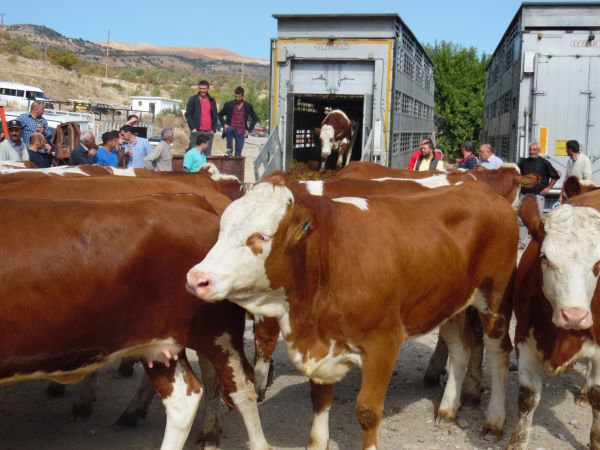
[
  {"x": 578, "y": 165},
  {"x": 13, "y": 148},
  {"x": 487, "y": 158}
]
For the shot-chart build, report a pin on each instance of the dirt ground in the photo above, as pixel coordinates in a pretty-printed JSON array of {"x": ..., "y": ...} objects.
[{"x": 29, "y": 420}]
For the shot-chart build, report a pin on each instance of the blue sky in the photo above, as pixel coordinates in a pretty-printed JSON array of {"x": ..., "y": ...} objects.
[{"x": 245, "y": 27}]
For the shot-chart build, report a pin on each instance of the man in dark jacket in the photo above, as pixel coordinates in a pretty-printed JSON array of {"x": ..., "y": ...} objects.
[
  {"x": 201, "y": 115},
  {"x": 234, "y": 117},
  {"x": 85, "y": 152}
]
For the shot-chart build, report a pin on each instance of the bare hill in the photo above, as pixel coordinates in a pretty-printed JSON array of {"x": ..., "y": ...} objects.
[{"x": 190, "y": 60}]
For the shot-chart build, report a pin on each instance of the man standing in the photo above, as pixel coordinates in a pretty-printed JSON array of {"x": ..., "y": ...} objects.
[
  {"x": 34, "y": 122},
  {"x": 160, "y": 158},
  {"x": 108, "y": 154},
  {"x": 201, "y": 115},
  {"x": 137, "y": 147},
  {"x": 487, "y": 158},
  {"x": 234, "y": 116},
  {"x": 85, "y": 152},
  {"x": 428, "y": 160},
  {"x": 417, "y": 153},
  {"x": 13, "y": 148},
  {"x": 469, "y": 160},
  {"x": 578, "y": 165}
]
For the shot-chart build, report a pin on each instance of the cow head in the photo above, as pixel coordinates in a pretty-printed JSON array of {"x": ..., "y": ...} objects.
[
  {"x": 235, "y": 267},
  {"x": 327, "y": 136},
  {"x": 569, "y": 240}
]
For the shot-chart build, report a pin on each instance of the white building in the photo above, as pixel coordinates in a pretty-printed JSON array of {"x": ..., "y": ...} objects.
[{"x": 154, "y": 105}]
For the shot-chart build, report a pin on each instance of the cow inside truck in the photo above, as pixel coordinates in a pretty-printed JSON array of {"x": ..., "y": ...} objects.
[{"x": 306, "y": 115}]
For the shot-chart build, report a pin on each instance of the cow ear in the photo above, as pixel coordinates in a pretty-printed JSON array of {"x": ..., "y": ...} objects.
[
  {"x": 529, "y": 214},
  {"x": 301, "y": 224},
  {"x": 317, "y": 131},
  {"x": 276, "y": 177},
  {"x": 530, "y": 180}
]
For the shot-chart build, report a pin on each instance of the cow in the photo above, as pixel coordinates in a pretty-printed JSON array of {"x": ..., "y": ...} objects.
[
  {"x": 573, "y": 186},
  {"x": 101, "y": 283},
  {"x": 337, "y": 133},
  {"x": 286, "y": 256},
  {"x": 557, "y": 304}
]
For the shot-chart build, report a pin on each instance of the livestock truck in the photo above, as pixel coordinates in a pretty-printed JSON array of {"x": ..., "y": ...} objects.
[
  {"x": 368, "y": 65},
  {"x": 543, "y": 85}
]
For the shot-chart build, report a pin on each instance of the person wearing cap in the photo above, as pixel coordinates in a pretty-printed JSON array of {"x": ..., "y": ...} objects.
[
  {"x": 578, "y": 165},
  {"x": 108, "y": 154},
  {"x": 14, "y": 148}
]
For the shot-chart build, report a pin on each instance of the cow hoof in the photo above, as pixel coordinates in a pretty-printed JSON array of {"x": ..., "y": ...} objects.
[
  {"x": 207, "y": 441},
  {"x": 470, "y": 400},
  {"x": 261, "y": 395},
  {"x": 271, "y": 375},
  {"x": 444, "y": 418},
  {"x": 81, "y": 411},
  {"x": 55, "y": 390},
  {"x": 491, "y": 433},
  {"x": 130, "y": 420}
]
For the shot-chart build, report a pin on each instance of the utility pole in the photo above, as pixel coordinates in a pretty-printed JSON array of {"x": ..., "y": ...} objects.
[
  {"x": 106, "y": 60},
  {"x": 242, "y": 72},
  {"x": 2, "y": 28}
]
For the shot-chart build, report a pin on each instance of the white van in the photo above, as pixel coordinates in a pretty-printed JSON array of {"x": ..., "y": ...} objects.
[{"x": 21, "y": 94}]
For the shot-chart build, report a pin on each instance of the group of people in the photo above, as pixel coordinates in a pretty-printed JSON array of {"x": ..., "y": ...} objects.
[{"x": 28, "y": 138}]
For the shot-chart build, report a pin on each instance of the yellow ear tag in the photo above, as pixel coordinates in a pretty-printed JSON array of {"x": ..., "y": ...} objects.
[{"x": 302, "y": 231}]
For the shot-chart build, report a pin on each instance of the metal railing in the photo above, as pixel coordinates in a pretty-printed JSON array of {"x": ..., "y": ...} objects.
[
  {"x": 367, "y": 154},
  {"x": 270, "y": 157}
]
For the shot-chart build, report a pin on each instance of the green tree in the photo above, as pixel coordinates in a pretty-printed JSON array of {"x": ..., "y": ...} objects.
[
  {"x": 460, "y": 75},
  {"x": 22, "y": 47},
  {"x": 63, "y": 57}
]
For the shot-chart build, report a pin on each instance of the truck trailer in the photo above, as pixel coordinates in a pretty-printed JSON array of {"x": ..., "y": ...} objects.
[
  {"x": 368, "y": 65},
  {"x": 543, "y": 82}
]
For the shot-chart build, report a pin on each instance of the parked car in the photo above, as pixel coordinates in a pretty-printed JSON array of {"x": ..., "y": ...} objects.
[{"x": 100, "y": 108}]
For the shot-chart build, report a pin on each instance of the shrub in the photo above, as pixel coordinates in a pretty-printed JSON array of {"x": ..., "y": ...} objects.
[
  {"x": 63, "y": 57},
  {"x": 22, "y": 47}
]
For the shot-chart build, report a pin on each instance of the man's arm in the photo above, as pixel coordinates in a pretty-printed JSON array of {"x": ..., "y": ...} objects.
[
  {"x": 554, "y": 176},
  {"x": 253, "y": 118},
  {"x": 222, "y": 115},
  {"x": 151, "y": 157},
  {"x": 413, "y": 159},
  {"x": 189, "y": 113},
  {"x": 587, "y": 169}
]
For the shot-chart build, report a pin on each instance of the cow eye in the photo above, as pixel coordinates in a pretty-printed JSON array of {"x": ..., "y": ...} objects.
[
  {"x": 331, "y": 140},
  {"x": 263, "y": 238},
  {"x": 596, "y": 269}
]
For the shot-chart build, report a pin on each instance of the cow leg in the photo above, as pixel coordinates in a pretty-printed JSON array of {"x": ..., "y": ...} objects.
[
  {"x": 266, "y": 334},
  {"x": 210, "y": 428},
  {"x": 82, "y": 408},
  {"x": 594, "y": 399},
  {"x": 531, "y": 371},
  {"x": 377, "y": 368},
  {"x": 473, "y": 386},
  {"x": 455, "y": 333},
  {"x": 322, "y": 398},
  {"x": 581, "y": 397},
  {"x": 180, "y": 390},
  {"x": 498, "y": 360},
  {"x": 139, "y": 404},
  {"x": 437, "y": 363}
]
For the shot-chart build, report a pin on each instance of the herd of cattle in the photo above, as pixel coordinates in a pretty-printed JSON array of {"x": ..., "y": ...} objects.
[{"x": 345, "y": 270}]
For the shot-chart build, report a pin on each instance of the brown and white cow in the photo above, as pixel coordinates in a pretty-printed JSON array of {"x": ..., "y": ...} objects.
[
  {"x": 337, "y": 133},
  {"x": 286, "y": 256},
  {"x": 88, "y": 282},
  {"x": 557, "y": 304},
  {"x": 573, "y": 186}
]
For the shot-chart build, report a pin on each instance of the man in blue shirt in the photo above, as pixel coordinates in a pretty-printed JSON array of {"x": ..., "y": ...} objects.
[
  {"x": 107, "y": 154},
  {"x": 195, "y": 158},
  {"x": 469, "y": 160},
  {"x": 487, "y": 158},
  {"x": 137, "y": 148},
  {"x": 33, "y": 122}
]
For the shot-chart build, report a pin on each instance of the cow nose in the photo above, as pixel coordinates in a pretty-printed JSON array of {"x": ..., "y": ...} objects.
[
  {"x": 198, "y": 283},
  {"x": 577, "y": 318}
]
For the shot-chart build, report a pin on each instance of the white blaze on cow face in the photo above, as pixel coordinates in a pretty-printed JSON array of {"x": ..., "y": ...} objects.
[
  {"x": 235, "y": 267},
  {"x": 327, "y": 139},
  {"x": 570, "y": 264}
]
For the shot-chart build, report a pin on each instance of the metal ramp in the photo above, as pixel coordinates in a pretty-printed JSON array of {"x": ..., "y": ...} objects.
[{"x": 270, "y": 157}]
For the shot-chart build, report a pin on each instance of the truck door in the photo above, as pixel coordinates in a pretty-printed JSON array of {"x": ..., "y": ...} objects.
[
  {"x": 560, "y": 106},
  {"x": 591, "y": 146},
  {"x": 367, "y": 126}
]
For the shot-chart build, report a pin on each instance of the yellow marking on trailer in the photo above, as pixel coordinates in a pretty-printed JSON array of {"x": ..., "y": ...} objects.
[{"x": 543, "y": 140}]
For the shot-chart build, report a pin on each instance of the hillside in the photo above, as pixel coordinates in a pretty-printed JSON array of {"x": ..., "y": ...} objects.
[{"x": 189, "y": 60}]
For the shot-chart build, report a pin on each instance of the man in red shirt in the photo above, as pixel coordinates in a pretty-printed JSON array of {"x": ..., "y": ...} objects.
[
  {"x": 417, "y": 154},
  {"x": 234, "y": 116},
  {"x": 201, "y": 115}
]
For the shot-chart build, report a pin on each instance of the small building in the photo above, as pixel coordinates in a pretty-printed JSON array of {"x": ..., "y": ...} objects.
[{"x": 154, "y": 105}]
